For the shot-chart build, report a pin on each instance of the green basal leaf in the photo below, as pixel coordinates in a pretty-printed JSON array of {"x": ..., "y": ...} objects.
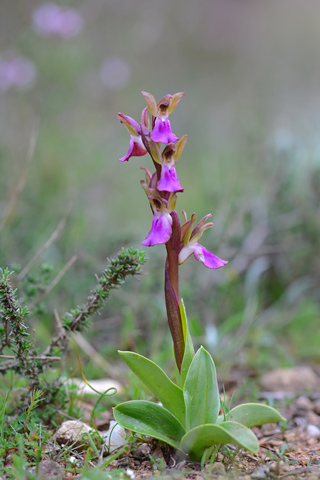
[
  {"x": 220, "y": 419},
  {"x": 150, "y": 419},
  {"x": 154, "y": 378},
  {"x": 188, "y": 349},
  {"x": 201, "y": 392},
  {"x": 197, "y": 440},
  {"x": 253, "y": 414}
]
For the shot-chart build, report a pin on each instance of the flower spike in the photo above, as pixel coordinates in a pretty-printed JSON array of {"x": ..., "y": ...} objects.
[{"x": 161, "y": 187}]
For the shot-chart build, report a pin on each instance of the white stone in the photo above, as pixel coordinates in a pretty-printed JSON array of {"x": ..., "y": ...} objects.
[
  {"x": 313, "y": 431},
  {"x": 115, "y": 437},
  {"x": 73, "y": 432}
]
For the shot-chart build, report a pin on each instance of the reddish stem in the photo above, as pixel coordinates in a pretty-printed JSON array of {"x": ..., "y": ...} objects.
[{"x": 172, "y": 290}]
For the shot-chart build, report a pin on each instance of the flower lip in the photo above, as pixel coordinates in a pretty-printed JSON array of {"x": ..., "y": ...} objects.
[
  {"x": 161, "y": 229},
  {"x": 169, "y": 181},
  {"x": 136, "y": 149},
  {"x": 161, "y": 132},
  {"x": 201, "y": 254},
  {"x": 207, "y": 258}
]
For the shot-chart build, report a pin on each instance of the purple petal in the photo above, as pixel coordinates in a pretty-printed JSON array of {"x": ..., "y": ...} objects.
[
  {"x": 162, "y": 131},
  {"x": 160, "y": 230},
  {"x": 207, "y": 258},
  {"x": 169, "y": 181},
  {"x": 135, "y": 149}
]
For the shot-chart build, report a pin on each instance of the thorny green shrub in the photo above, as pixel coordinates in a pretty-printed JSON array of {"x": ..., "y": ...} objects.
[{"x": 18, "y": 350}]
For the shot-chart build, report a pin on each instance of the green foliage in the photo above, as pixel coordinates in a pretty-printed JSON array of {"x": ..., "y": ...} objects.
[
  {"x": 23, "y": 356},
  {"x": 150, "y": 419},
  {"x": 201, "y": 429},
  {"x": 188, "y": 349},
  {"x": 201, "y": 392},
  {"x": 252, "y": 414},
  {"x": 23, "y": 437},
  {"x": 128, "y": 262},
  {"x": 154, "y": 378},
  {"x": 199, "y": 439}
]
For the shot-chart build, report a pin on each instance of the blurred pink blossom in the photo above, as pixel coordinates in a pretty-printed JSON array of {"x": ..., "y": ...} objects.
[
  {"x": 115, "y": 73},
  {"x": 16, "y": 72},
  {"x": 51, "y": 19}
]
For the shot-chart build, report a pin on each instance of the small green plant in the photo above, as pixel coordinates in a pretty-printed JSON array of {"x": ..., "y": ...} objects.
[
  {"x": 189, "y": 418},
  {"x": 22, "y": 438}
]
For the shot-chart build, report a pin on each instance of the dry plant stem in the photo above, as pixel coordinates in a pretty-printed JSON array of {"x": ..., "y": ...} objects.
[
  {"x": 49, "y": 242},
  {"x": 41, "y": 357},
  {"x": 4, "y": 366},
  {"x": 19, "y": 187},
  {"x": 91, "y": 352},
  {"x": 171, "y": 287}
]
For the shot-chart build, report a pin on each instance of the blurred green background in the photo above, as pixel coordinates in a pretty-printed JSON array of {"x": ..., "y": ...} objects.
[{"x": 251, "y": 74}]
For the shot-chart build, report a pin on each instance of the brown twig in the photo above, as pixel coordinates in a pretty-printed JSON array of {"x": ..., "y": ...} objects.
[
  {"x": 41, "y": 357},
  {"x": 9, "y": 365},
  {"x": 91, "y": 352},
  {"x": 299, "y": 471}
]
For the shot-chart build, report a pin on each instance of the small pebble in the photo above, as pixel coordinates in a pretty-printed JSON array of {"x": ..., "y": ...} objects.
[
  {"x": 304, "y": 403},
  {"x": 115, "y": 437},
  {"x": 316, "y": 406},
  {"x": 313, "y": 431},
  {"x": 260, "y": 472},
  {"x": 130, "y": 473},
  {"x": 300, "y": 421},
  {"x": 274, "y": 466},
  {"x": 219, "y": 457},
  {"x": 283, "y": 467},
  {"x": 48, "y": 470},
  {"x": 157, "y": 454},
  {"x": 217, "y": 468},
  {"x": 73, "y": 432}
]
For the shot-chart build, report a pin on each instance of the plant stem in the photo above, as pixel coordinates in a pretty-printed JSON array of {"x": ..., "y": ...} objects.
[{"x": 171, "y": 287}]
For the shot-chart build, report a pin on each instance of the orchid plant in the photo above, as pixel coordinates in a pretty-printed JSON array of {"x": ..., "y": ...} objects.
[{"x": 189, "y": 417}]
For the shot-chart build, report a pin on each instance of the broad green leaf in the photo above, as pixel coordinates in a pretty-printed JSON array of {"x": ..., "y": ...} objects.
[
  {"x": 150, "y": 419},
  {"x": 201, "y": 392},
  {"x": 253, "y": 414},
  {"x": 198, "y": 439},
  {"x": 220, "y": 419},
  {"x": 154, "y": 378},
  {"x": 188, "y": 348}
]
